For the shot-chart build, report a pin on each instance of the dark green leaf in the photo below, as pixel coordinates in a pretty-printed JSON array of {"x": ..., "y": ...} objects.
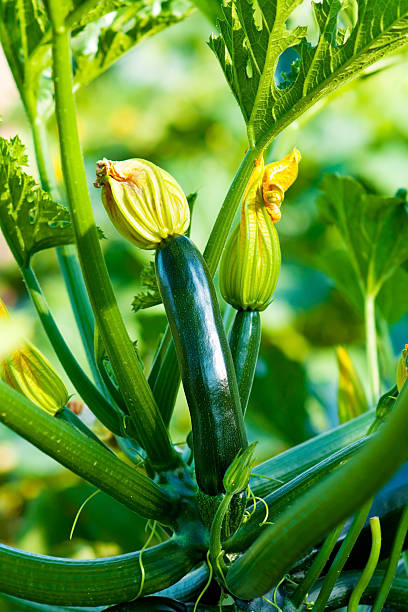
[
  {"x": 254, "y": 34},
  {"x": 30, "y": 220},
  {"x": 373, "y": 229}
]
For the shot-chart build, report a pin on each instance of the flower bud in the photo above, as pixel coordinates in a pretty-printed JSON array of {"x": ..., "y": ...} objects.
[
  {"x": 237, "y": 476},
  {"x": 402, "y": 368},
  {"x": 251, "y": 261},
  {"x": 277, "y": 179},
  {"x": 351, "y": 399},
  {"x": 144, "y": 202},
  {"x": 30, "y": 373}
]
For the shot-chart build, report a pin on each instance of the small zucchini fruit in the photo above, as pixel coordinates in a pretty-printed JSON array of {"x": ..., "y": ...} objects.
[{"x": 251, "y": 262}]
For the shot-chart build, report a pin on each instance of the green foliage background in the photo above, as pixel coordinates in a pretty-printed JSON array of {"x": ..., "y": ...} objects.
[{"x": 167, "y": 101}]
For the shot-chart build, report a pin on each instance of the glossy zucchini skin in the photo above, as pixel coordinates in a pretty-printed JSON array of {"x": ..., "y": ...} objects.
[
  {"x": 244, "y": 340},
  {"x": 205, "y": 361}
]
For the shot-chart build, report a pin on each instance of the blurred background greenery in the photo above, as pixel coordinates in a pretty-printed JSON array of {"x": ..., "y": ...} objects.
[{"x": 167, "y": 101}]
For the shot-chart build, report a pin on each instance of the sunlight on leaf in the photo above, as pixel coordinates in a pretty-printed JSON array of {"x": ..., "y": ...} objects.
[
  {"x": 29, "y": 219},
  {"x": 254, "y": 35}
]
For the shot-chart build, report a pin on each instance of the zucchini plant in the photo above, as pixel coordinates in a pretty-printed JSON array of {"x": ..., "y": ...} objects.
[{"x": 254, "y": 540}]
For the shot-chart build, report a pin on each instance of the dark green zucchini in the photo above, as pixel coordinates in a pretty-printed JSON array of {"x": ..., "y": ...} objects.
[
  {"x": 205, "y": 361},
  {"x": 244, "y": 341}
]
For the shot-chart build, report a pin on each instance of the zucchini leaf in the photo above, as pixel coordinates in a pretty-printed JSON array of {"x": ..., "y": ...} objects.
[
  {"x": 23, "y": 25},
  {"x": 254, "y": 35},
  {"x": 101, "y": 33},
  {"x": 29, "y": 219},
  {"x": 102, "y": 45},
  {"x": 373, "y": 229}
]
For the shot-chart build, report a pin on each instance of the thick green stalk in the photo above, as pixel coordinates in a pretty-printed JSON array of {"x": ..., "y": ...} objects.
[
  {"x": 342, "y": 556},
  {"x": 396, "y": 600},
  {"x": 244, "y": 341},
  {"x": 215, "y": 535},
  {"x": 84, "y": 457},
  {"x": 286, "y": 495},
  {"x": 371, "y": 347},
  {"x": 296, "y": 460},
  {"x": 317, "y": 567},
  {"x": 104, "y": 411},
  {"x": 69, "y": 582},
  {"x": 322, "y": 507},
  {"x": 369, "y": 569},
  {"x": 392, "y": 562},
  {"x": 71, "y": 272},
  {"x": 167, "y": 383},
  {"x": 151, "y": 431},
  {"x": 66, "y": 255},
  {"x": 222, "y": 225}
]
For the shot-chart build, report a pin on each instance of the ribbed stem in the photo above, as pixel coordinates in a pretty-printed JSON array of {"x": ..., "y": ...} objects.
[
  {"x": 369, "y": 569},
  {"x": 70, "y": 582},
  {"x": 371, "y": 347},
  {"x": 396, "y": 600},
  {"x": 296, "y": 460},
  {"x": 139, "y": 399},
  {"x": 317, "y": 567},
  {"x": 244, "y": 341},
  {"x": 66, "y": 255},
  {"x": 84, "y": 457},
  {"x": 323, "y": 506},
  {"x": 392, "y": 562},
  {"x": 286, "y": 495},
  {"x": 222, "y": 225}
]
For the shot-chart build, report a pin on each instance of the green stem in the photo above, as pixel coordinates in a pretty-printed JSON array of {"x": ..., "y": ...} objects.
[
  {"x": 396, "y": 600},
  {"x": 67, "y": 257},
  {"x": 322, "y": 507},
  {"x": 371, "y": 346},
  {"x": 69, "y": 582},
  {"x": 291, "y": 463},
  {"x": 222, "y": 225},
  {"x": 286, "y": 495},
  {"x": 215, "y": 535},
  {"x": 71, "y": 272},
  {"x": 84, "y": 457},
  {"x": 317, "y": 567},
  {"x": 369, "y": 569},
  {"x": 151, "y": 431},
  {"x": 97, "y": 403},
  {"x": 341, "y": 557},
  {"x": 167, "y": 383},
  {"x": 392, "y": 562}
]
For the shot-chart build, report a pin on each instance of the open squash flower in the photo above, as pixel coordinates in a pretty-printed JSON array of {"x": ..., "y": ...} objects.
[
  {"x": 27, "y": 371},
  {"x": 144, "y": 202},
  {"x": 251, "y": 261},
  {"x": 402, "y": 368},
  {"x": 277, "y": 178}
]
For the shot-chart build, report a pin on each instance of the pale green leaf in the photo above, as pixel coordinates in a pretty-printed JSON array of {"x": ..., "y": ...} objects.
[
  {"x": 130, "y": 26},
  {"x": 254, "y": 34},
  {"x": 29, "y": 219}
]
